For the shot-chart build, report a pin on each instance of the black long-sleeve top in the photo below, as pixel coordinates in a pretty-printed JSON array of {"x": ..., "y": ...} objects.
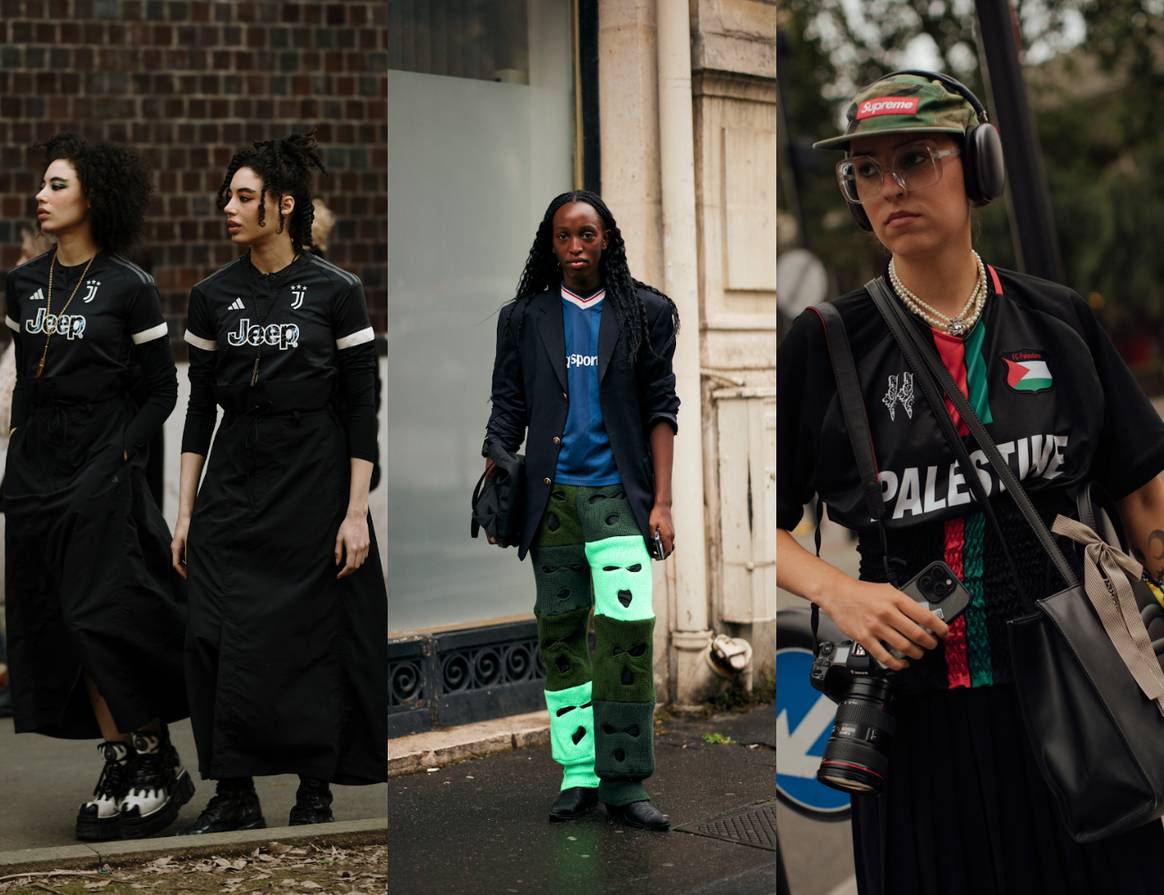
[
  {"x": 302, "y": 324},
  {"x": 113, "y": 325}
]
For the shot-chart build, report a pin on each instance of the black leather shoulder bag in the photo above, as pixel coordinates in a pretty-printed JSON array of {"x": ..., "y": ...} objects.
[
  {"x": 1090, "y": 685},
  {"x": 498, "y": 499}
]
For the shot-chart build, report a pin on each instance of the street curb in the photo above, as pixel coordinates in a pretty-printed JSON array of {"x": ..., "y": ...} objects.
[
  {"x": 341, "y": 833},
  {"x": 437, "y": 749}
]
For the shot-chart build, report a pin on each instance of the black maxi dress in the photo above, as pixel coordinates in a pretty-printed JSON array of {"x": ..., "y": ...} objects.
[
  {"x": 285, "y": 664},
  {"x": 89, "y": 586}
]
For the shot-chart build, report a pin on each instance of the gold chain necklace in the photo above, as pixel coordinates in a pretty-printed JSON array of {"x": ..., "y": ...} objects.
[{"x": 49, "y": 308}]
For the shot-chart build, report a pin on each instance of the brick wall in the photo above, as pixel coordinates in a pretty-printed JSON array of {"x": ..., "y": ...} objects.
[{"x": 187, "y": 82}]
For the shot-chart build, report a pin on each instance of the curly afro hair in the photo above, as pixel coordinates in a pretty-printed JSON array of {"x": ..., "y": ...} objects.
[
  {"x": 284, "y": 165},
  {"x": 115, "y": 180},
  {"x": 542, "y": 272}
]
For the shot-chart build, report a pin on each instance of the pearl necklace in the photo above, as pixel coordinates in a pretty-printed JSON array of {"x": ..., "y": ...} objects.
[{"x": 959, "y": 324}]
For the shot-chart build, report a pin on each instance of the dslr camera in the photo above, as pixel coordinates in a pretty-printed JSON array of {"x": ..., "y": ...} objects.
[{"x": 856, "y": 757}]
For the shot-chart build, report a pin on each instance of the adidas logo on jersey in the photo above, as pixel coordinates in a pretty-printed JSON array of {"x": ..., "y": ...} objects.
[
  {"x": 37, "y": 296},
  {"x": 237, "y": 305},
  {"x": 71, "y": 326},
  {"x": 280, "y": 335}
]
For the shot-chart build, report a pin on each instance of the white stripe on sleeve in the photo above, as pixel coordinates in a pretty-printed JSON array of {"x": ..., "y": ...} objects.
[
  {"x": 356, "y": 338},
  {"x": 148, "y": 335},
  {"x": 199, "y": 342},
  {"x": 12, "y": 324}
]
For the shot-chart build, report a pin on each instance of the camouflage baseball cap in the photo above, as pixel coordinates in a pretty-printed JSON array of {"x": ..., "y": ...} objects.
[{"x": 902, "y": 103}]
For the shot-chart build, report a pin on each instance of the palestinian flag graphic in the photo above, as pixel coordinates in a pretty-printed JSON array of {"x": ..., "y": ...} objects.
[{"x": 1027, "y": 371}]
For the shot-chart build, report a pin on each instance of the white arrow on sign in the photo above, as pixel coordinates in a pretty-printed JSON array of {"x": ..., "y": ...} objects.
[{"x": 792, "y": 756}]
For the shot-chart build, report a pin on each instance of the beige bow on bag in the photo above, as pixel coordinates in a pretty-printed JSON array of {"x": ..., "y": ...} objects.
[{"x": 1108, "y": 574}]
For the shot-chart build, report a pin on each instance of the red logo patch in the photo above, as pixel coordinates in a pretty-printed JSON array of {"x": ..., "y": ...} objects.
[{"x": 887, "y": 105}]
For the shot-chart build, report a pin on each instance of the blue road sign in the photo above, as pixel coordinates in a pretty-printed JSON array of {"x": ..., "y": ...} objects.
[{"x": 804, "y": 718}]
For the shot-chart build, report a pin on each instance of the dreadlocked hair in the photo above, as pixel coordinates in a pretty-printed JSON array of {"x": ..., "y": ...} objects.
[
  {"x": 542, "y": 272},
  {"x": 115, "y": 181},
  {"x": 284, "y": 166}
]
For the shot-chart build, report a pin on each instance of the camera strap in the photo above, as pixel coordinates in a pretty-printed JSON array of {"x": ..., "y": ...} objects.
[
  {"x": 935, "y": 380},
  {"x": 860, "y": 435}
]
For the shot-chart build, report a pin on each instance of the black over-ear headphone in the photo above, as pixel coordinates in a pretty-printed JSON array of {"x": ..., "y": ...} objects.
[{"x": 982, "y": 163}]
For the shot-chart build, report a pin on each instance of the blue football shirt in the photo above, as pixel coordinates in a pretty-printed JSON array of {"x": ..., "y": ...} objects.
[{"x": 585, "y": 457}]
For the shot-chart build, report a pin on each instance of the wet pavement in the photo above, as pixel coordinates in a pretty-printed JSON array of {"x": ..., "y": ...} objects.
[
  {"x": 44, "y": 781},
  {"x": 480, "y": 826}
]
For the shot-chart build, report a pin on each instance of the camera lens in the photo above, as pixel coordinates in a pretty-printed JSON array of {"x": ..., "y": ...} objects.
[
  {"x": 943, "y": 587},
  {"x": 926, "y": 583},
  {"x": 855, "y": 757}
]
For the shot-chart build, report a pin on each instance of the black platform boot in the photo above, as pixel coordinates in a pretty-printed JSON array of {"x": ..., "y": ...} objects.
[
  {"x": 235, "y": 806},
  {"x": 99, "y": 819},
  {"x": 312, "y": 803},
  {"x": 158, "y": 785}
]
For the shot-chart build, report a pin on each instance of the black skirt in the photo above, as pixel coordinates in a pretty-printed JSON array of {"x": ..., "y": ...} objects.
[
  {"x": 90, "y": 591},
  {"x": 285, "y": 664},
  {"x": 965, "y": 811}
]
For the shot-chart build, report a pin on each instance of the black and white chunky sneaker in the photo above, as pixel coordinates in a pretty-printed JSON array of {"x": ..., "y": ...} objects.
[
  {"x": 99, "y": 819},
  {"x": 158, "y": 786}
]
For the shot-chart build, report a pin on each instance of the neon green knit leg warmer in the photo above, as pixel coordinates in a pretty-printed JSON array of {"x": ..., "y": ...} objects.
[
  {"x": 572, "y": 734},
  {"x": 621, "y": 569}
]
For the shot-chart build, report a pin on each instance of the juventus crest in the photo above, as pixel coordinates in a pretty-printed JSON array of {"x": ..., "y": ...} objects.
[
  {"x": 300, "y": 292},
  {"x": 902, "y": 394}
]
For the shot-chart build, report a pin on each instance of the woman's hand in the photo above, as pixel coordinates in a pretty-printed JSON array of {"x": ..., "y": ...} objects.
[
  {"x": 879, "y": 616},
  {"x": 660, "y": 521},
  {"x": 353, "y": 542},
  {"x": 178, "y": 545}
]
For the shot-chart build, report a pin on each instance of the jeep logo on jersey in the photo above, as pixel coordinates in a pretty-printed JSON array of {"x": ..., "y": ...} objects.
[
  {"x": 37, "y": 296},
  {"x": 299, "y": 292},
  {"x": 581, "y": 360},
  {"x": 91, "y": 287},
  {"x": 1027, "y": 371},
  {"x": 71, "y": 326},
  {"x": 902, "y": 393},
  {"x": 280, "y": 335}
]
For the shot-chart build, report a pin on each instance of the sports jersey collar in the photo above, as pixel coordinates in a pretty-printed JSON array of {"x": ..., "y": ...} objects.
[
  {"x": 279, "y": 277},
  {"x": 588, "y": 301}
]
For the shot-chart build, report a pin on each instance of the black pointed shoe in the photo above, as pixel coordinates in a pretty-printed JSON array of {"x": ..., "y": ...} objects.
[
  {"x": 234, "y": 807},
  {"x": 640, "y": 815},
  {"x": 573, "y": 803},
  {"x": 312, "y": 803},
  {"x": 99, "y": 819}
]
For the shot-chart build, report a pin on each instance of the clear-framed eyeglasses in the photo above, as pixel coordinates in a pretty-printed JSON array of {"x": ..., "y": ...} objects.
[{"x": 914, "y": 166}]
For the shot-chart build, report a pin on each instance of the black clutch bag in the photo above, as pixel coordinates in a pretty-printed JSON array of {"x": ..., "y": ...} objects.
[{"x": 498, "y": 500}]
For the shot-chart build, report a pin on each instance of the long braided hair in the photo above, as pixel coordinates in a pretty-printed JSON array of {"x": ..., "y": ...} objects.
[
  {"x": 542, "y": 272},
  {"x": 284, "y": 165}
]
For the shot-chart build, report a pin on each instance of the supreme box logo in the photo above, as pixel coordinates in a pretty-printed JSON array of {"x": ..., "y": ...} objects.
[{"x": 887, "y": 105}]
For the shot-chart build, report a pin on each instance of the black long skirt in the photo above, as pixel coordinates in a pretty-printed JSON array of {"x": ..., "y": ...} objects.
[
  {"x": 89, "y": 588},
  {"x": 285, "y": 664},
  {"x": 966, "y": 812}
]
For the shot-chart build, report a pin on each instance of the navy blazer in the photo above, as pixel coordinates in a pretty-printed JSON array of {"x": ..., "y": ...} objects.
[{"x": 531, "y": 397}]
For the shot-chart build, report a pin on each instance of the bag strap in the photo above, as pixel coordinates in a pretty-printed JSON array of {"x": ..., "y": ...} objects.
[
  {"x": 935, "y": 379},
  {"x": 852, "y": 407},
  {"x": 859, "y": 431},
  {"x": 475, "y": 526}
]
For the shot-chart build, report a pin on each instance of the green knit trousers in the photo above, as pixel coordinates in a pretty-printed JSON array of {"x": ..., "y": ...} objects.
[{"x": 589, "y": 554}]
